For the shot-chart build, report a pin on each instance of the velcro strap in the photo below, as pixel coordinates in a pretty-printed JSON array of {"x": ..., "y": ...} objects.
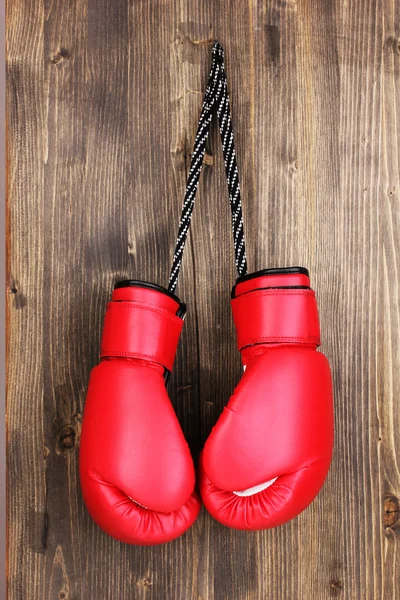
[
  {"x": 137, "y": 330},
  {"x": 276, "y": 316}
]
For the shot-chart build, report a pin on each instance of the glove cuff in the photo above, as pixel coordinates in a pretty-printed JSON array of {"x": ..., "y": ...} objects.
[
  {"x": 297, "y": 277},
  {"x": 275, "y": 306},
  {"x": 142, "y": 321}
]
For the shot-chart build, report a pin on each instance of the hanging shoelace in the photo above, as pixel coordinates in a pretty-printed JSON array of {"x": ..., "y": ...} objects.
[{"x": 216, "y": 99}]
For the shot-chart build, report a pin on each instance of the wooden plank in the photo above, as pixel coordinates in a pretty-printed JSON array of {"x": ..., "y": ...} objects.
[
  {"x": 27, "y": 521},
  {"x": 103, "y": 101},
  {"x": 67, "y": 343}
]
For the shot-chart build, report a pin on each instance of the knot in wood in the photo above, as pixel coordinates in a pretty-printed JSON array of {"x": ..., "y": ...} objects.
[
  {"x": 67, "y": 438},
  {"x": 391, "y": 510}
]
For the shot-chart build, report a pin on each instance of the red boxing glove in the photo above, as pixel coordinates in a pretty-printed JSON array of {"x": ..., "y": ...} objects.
[
  {"x": 136, "y": 470},
  {"x": 269, "y": 453}
]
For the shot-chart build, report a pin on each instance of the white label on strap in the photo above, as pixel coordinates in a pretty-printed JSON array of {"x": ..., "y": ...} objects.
[
  {"x": 256, "y": 489},
  {"x": 138, "y": 503}
]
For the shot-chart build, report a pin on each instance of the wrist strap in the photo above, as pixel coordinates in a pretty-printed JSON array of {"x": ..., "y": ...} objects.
[
  {"x": 139, "y": 330},
  {"x": 216, "y": 99},
  {"x": 276, "y": 316}
]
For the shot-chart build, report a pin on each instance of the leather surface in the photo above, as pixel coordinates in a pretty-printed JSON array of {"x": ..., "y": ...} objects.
[
  {"x": 136, "y": 469},
  {"x": 277, "y": 424}
]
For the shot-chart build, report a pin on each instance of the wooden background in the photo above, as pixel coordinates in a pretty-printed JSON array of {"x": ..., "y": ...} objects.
[{"x": 103, "y": 101}]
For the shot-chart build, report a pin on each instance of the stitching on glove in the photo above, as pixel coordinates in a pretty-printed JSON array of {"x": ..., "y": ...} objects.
[
  {"x": 133, "y": 305},
  {"x": 152, "y": 357},
  {"x": 310, "y": 338},
  {"x": 244, "y": 297}
]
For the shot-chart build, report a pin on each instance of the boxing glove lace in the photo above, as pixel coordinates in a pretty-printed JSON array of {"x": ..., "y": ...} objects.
[
  {"x": 269, "y": 453},
  {"x": 136, "y": 470}
]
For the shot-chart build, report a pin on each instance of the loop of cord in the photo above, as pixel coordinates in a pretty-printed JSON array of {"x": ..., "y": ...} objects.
[{"x": 216, "y": 99}]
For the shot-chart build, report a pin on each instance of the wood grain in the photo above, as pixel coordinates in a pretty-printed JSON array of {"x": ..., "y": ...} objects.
[{"x": 103, "y": 98}]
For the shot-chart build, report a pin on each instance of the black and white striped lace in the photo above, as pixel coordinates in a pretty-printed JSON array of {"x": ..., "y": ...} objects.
[{"x": 216, "y": 99}]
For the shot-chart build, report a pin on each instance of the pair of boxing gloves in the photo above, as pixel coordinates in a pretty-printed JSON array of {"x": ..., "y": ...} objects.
[{"x": 267, "y": 456}]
